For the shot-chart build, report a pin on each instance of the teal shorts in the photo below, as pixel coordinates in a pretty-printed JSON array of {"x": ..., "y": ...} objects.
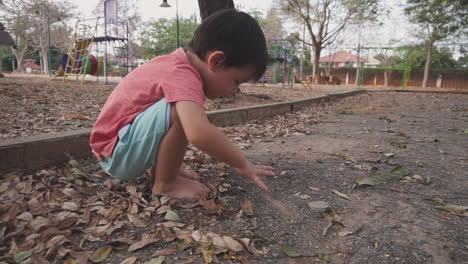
[{"x": 138, "y": 144}]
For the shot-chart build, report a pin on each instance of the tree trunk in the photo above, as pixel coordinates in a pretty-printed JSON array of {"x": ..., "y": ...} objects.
[
  {"x": 428, "y": 63},
  {"x": 208, "y": 7},
  {"x": 317, "y": 51},
  {"x": 20, "y": 57},
  {"x": 387, "y": 75},
  {"x": 44, "y": 54}
]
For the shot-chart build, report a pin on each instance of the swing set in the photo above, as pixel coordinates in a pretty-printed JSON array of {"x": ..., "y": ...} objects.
[{"x": 405, "y": 68}]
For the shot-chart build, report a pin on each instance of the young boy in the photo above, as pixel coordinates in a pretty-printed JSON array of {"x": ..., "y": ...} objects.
[{"x": 157, "y": 109}]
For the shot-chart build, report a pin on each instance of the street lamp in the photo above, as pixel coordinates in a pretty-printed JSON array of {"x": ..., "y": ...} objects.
[
  {"x": 48, "y": 34},
  {"x": 165, "y": 4}
]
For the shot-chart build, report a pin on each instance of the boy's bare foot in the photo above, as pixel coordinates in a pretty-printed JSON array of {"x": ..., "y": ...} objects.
[
  {"x": 189, "y": 174},
  {"x": 182, "y": 188}
]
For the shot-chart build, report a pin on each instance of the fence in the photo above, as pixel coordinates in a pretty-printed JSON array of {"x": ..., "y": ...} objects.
[{"x": 440, "y": 78}]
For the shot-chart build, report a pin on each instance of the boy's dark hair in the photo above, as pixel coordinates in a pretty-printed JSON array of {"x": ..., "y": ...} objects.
[{"x": 235, "y": 33}]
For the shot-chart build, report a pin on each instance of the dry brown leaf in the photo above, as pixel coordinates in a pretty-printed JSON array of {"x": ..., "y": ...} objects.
[
  {"x": 67, "y": 222},
  {"x": 207, "y": 204},
  {"x": 101, "y": 254},
  {"x": 111, "y": 213},
  {"x": 70, "y": 206},
  {"x": 185, "y": 234},
  {"x": 172, "y": 224},
  {"x": 129, "y": 260},
  {"x": 25, "y": 216},
  {"x": 97, "y": 230},
  {"x": 164, "y": 252},
  {"x": 247, "y": 207},
  {"x": 136, "y": 221},
  {"x": 121, "y": 243},
  {"x": 114, "y": 227},
  {"x": 163, "y": 209},
  {"x": 233, "y": 244},
  {"x": 188, "y": 206},
  {"x": 143, "y": 243},
  {"x": 38, "y": 223}
]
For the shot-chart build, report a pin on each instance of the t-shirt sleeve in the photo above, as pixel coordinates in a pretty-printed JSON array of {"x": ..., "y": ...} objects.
[{"x": 184, "y": 84}]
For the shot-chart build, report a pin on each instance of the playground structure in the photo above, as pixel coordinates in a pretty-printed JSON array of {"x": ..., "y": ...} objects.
[
  {"x": 281, "y": 68},
  {"x": 405, "y": 68},
  {"x": 91, "y": 33}
]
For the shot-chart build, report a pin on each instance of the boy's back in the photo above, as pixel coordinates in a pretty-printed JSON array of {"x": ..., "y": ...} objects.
[{"x": 169, "y": 76}]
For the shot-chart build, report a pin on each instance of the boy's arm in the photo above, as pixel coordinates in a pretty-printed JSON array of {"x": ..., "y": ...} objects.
[{"x": 209, "y": 139}]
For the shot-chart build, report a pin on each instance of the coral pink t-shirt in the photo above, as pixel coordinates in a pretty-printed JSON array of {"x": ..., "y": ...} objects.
[{"x": 170, "y": 76}]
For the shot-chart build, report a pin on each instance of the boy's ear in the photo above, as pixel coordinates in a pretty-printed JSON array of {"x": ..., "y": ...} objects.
[{"x": 215, "y": 60}]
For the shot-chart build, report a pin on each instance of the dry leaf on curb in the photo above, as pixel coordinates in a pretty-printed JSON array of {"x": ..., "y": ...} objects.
[
  {"x": 340, "y": 194},
  {"x": 247, "y": 207},
  {"x": 101, "y": 254},
  {"x": 143, "y": 243}
]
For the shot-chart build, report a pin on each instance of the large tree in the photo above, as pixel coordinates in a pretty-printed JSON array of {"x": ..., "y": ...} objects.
[
  {"x": 325, "y": 19},
  {"x": 272, "y": 25},
  {"x": 27, "y": 21},
  {"x": 438, "y": 20},
  {"x": 158, "y": 38}
]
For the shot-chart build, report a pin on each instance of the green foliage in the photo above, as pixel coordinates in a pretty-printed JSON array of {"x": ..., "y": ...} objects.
[
  {"x": 463, "y": 62},
  {"x": 159, "y": 36},
  {"x": 6, "y": 56},
  {"x": 439, "y": 19},
  {"x": 442, "y": 58},
  {"x": 390, "y": 61}
]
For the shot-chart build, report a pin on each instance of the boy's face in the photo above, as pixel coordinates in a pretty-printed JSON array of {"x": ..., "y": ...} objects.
[{"x": 221, "y": 81}]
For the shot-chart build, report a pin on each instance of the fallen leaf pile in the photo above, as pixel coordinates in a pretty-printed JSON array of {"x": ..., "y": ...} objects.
[{"x": 68, "y": 215}]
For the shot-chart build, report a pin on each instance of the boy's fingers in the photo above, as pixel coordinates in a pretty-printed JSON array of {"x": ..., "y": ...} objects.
[
  {"x": 211, "y": 187},
  {"x": 260, "y": 183},
  {"x": 266, "y": 172}
]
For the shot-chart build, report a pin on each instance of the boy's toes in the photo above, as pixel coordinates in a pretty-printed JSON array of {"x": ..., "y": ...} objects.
[{"x": 189, "y": 174}]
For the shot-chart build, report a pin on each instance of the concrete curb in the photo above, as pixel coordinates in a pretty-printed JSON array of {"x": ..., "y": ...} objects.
[
  {"x": 35, "y": 152},
  {"x": 418, "y": 91}
]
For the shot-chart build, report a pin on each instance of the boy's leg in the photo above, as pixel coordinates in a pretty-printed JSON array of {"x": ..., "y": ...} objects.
[{"x": 168, "y": 162}]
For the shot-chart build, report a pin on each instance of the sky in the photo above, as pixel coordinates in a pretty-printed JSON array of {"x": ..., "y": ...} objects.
[
  {"x": 395, "y": 29},
  {"x": 151, "y": 9}
]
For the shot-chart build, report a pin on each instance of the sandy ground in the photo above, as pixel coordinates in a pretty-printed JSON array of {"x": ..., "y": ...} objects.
[{"x": 318, "y": 154}]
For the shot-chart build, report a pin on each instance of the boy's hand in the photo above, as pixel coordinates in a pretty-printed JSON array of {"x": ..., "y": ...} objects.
[
  {"x": 253, "y": 172},
  {"x": 224, "y": 130}
]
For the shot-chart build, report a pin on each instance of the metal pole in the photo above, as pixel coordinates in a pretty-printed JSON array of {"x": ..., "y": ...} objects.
[
  {"x": 48, "y": 42},
  {"x": 177, "y": 24},
  {"x": 105, "y": 43}
]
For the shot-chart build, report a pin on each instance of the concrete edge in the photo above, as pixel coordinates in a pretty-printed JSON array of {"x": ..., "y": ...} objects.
[
  {"x": 418, "y": 91},
  {"x": 35, "y": 152}
]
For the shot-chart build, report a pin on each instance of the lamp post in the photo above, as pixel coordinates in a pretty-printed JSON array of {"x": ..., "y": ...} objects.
[
  {"x": 48, "y": 36},
  {"x": 165, "y": 4}
]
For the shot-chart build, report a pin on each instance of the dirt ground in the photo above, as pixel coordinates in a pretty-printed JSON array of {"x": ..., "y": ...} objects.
[
  {"x": 317, "y": 153},
  {"x": 34, "y": 104}
]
